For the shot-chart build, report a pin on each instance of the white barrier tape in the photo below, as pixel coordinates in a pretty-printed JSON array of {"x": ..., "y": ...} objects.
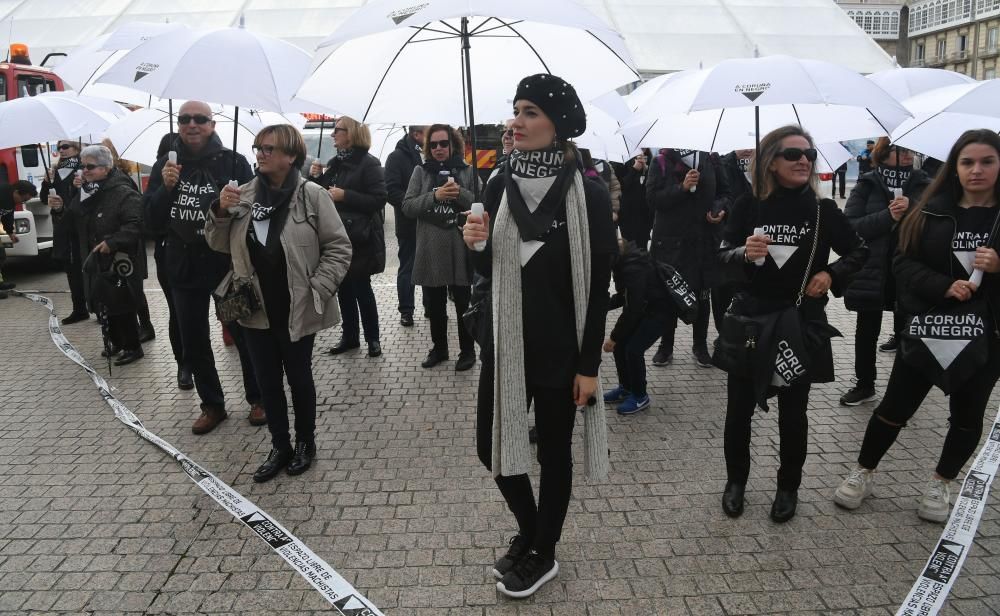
[
  {"x": 334, "y": 588},
  {"x": 932, "y": 587}
]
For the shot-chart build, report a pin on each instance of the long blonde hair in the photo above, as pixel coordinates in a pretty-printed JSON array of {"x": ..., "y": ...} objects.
[{"x": 764, "y": 183}]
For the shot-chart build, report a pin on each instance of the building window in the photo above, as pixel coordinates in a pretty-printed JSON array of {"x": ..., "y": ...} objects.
[
  {"x": 991, "y": 37},
  {"x": 919, "y": 52},
  {"x": 990, "y": 73},
  {"x": 942, "y": 48}
]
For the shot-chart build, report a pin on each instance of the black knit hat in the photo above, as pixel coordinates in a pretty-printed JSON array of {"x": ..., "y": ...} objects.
[{"x": 558, "y": 100}]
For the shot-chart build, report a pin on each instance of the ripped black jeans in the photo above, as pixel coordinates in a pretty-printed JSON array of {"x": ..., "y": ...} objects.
[{"x": 903, "y": 396}]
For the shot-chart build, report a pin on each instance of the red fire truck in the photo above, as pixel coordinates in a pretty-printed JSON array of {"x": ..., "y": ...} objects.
[{"x": 32, "y": 222}]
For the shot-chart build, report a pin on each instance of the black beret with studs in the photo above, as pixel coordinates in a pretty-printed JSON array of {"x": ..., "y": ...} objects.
[{"x": 558, "y": 100}]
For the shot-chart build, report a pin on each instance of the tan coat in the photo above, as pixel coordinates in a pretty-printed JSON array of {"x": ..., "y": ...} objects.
[{"x": 317, "y": 255}]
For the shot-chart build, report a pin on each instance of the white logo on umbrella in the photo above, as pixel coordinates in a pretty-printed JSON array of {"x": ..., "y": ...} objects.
[
  {"x": 752, "y": 90},
  {"x": 144, "y": 69},
  {"x": 401, "y": 15}
]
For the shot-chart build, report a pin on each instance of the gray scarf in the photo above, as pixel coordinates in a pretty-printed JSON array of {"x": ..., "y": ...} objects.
[{"x": 511, "y": 451}]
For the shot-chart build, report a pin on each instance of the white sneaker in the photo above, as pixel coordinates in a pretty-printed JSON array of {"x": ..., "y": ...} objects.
[
  {"x": 855, "y": 488},
  {"x": 935, "y": 504}
]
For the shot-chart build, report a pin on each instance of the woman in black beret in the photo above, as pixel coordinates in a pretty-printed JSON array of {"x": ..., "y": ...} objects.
[{"x": 549, "y": 243}]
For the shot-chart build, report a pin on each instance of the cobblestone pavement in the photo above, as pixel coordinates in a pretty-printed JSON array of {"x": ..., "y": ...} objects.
[{"x": 100, "y": 522}]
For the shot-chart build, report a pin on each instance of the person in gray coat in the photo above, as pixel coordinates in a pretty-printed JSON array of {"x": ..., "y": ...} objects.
[
  {"x": 285, "y": 236},
  {"x": 439, "y": 191}
]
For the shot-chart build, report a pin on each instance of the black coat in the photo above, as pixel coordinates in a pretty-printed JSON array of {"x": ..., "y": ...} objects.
[
  {"x": 925, "y": 274},
  {"x": 361, "y": 177},
  {"x": 634, "y": 218},
  {"x": 681, "y": 235},
  {"x": 836, "y": 234},
  {"x": 398, "y": 172},
  {"x": 191, "y": 265},
  {"x": 63, "y": 237},
  {"x": 113, "y": 214},
  {"x": 873, "y": 288},
  {"x": 638, "y": 290}
]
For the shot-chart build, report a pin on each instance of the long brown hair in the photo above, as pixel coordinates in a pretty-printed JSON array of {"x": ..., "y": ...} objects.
[
  {"x": 764, "y": 183},
  {"x": 946, "y": 183}
]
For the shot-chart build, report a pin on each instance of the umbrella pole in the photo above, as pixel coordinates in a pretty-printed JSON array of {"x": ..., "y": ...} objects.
[
  {"x": 319, "y": 146},
  {"x": 756, "y": 153},
  {"x": 472, "y": 112},
  {"x": 170, "y": 114},
  {"x": 236, "y": 125},
  {"x": 138, "y": 174}
]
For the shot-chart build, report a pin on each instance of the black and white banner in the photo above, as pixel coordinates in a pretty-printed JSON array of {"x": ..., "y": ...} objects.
[
  {"x": 932, "y": 587},
  {"x": 334, "y": 588}
]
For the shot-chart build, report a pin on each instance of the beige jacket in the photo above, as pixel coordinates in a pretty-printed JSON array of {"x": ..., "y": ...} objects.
[{"x": 317, "y": 254}]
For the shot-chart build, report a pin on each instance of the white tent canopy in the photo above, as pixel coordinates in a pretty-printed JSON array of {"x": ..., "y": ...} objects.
[{"x": 662, "y": 35}]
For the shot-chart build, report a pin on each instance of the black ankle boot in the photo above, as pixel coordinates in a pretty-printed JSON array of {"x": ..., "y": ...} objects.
[
  {"x": 784, "y": 505},
  {"x": 302, "y": 460},
  {"x": 732, "y": 499},
  {"x": 434, "y": 357},
  {"x": 277, "y": 460}
]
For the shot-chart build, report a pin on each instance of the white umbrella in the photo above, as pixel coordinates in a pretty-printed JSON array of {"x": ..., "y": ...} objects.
[
  {"x": 229, "y": 66},
  {"x": 404, "y": 62},
  {"x": 40, "y": 119},
  {"x": 87, "y": 63},
  {"x": 730, "y": 105},
  {"x": 904, "y": 83},
  {"x": 398, "y": 62},
  {"x": 602, "y": 137},
  {"x": 137, "y": 136},
  {"x": 102, "y": 105},
  {"x": 942, "y": 115}
]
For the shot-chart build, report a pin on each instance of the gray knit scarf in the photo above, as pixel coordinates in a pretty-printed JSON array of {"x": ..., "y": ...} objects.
[{"x": 511, "y": 451}]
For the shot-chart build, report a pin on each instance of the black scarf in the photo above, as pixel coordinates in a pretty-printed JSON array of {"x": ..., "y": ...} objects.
[
  {"x": 453, "y": 166},
  {"x": 91, "y": 188},
  {"x": 343, "y": 155},
  {"x": 270, "y": 198},
  {"x": 72, "y": 163},
  {"x": 894, "y": 177},
  {"x": 536, "y": 166}
]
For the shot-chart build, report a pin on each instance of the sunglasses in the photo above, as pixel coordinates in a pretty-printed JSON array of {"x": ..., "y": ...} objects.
[
  {"x": 509, "y": 132},
  {"x": 340, "y": 129},
  {"x": 90, "y": 167},
  {"x": 265, "y": 150},
  {"x": 198, "y": 119},
  {"x": 795, "y": 154},
  {"x": 439, "y": 144},
  {"x": 67, "y": 146}
]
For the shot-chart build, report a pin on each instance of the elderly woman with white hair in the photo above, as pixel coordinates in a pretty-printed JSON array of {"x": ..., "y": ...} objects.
[{"x": 106, "y": 216}]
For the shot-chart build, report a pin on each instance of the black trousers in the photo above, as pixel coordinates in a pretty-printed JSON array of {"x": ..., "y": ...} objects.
[
  {"x": 436, "y": 305},
  {"x": 123, "y": 331},
  {"x": 174, "y": 330},
  {"x": 699, "y": 333},
  {"x": 192, "y": 307},
  {"x": 868, "y": 328},
  {"x": 842, "y": 176},
  {"x": 630, "y": 353},
  {"x": 555, "y": 414},
  {"x": 250, "y": 387},
  {"x": 74, "y": 276},
  {"x": 356, "y": 294},
  {"x": 274, "y": 359},
  {"x": 906, "y": 392},
  {"x": 793, "y": 431},
  {"x": 404, "y": 275}
]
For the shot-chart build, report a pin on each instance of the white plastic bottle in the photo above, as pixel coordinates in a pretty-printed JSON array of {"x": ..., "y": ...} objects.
[
  {"x": 172, "y": 156},
  {"x": 760, "y": 261},
  {"x": 479, "y": 210}
]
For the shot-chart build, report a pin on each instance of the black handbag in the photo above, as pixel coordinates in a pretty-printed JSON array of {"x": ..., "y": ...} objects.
[
  {"x": 358, "y": 226},
  {"x": 684, "y": 300},
  {"x": 737, "y": 352},
  {"x": 239, "y": 300},
  {"x": 478, "y": 318}
]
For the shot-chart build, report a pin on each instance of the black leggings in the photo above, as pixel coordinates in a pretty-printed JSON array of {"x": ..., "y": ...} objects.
[
  {"x": 906, "y": 391},
  {"x": 555, "y": 414},
  {"x": 793, "y": 431}
]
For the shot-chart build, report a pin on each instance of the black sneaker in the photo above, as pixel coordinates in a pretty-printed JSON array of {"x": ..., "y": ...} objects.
[
  {"x": 663, "y": 356},
  {"x": 75, "y": 317},
  {"x": 701, "y": 356},
  {"x": 406, "y": 320},
  {"x": 519, "y": 546},
  {"x": 859, "y": 394},
  {"x": 528, "y": 575},
  {"x": 890, "y": 345}
]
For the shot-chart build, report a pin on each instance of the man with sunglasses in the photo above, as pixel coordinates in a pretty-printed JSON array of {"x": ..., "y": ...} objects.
[
  {"x": 59, "y": 180},
  {"x": 176, "y": 202},
  {"x": 398, "y": 170}
]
